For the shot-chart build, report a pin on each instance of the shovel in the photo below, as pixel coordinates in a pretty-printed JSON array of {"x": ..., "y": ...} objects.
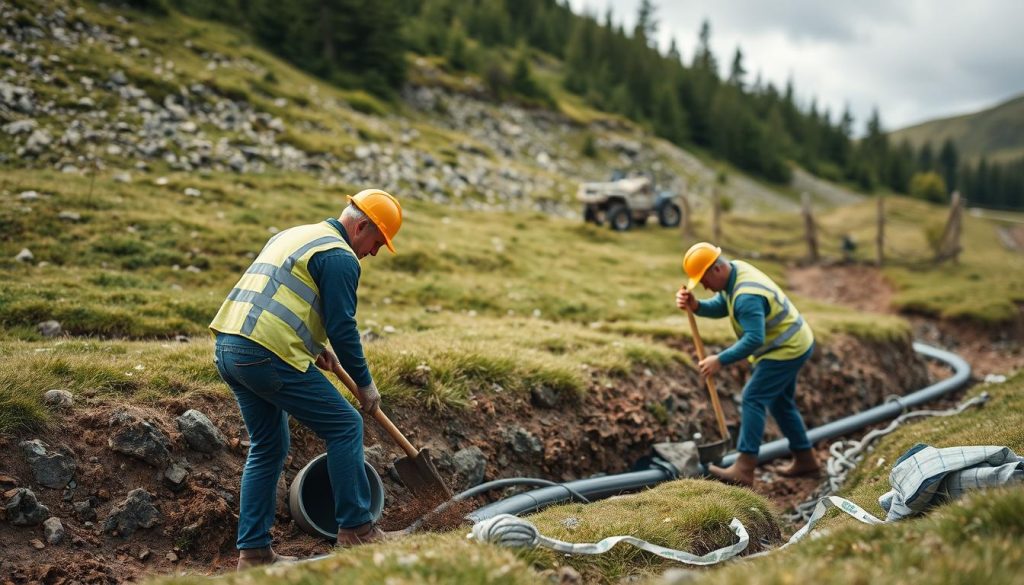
[
  {"x": 710, "y": 452},
  {"x": 416, "y": 470}
]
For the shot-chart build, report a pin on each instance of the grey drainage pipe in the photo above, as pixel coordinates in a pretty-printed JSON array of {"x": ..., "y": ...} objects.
[
  {"x": 608, "y": 485},
  {"x": 311, "y": 498}
]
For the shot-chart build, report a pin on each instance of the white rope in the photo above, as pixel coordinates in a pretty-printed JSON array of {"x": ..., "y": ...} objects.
[
  {"x": 514, "y": 532},
  {"x": 845, "y": 455}
]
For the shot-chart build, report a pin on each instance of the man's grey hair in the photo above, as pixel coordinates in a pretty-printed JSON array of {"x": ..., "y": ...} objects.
[
  {"x": 354, "y": 213},
  {"x": 721, "y": 260}
]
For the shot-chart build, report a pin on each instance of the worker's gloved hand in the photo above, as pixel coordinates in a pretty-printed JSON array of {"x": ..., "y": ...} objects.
[
  {"x": 709, "y": 366},
  {"x": 369, "y": 398},
  {"x": 327, "y": 360},
  {"x": 685, "y": 299}
]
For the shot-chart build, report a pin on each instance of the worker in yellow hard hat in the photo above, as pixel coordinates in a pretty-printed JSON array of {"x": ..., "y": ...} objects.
[
  {"x": 272, "y": 333},
  {"x": 772, "y": 335}
]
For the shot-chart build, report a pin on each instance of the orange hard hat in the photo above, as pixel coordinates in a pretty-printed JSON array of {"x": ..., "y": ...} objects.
[
  {"x": 697, "y": 260},
  {"x": 383, "y": 210}
]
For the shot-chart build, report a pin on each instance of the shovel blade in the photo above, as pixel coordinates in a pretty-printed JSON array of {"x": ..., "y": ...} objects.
[
  {"x": 421, "y": 477},
  {"x": 713, "y": 452}
]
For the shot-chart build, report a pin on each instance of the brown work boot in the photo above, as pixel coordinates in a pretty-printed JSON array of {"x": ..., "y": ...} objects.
[
  {"x": 741, "y": 472},
  {"x": 365, "y": 534},
  {"x": 254, "y": 557},
  {"x": 804, "y": 463}
]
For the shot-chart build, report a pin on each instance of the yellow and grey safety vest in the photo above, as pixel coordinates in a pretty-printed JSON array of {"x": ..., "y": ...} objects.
[
  {"x": 276, "y": 303},
  {"x": 786, "y": 335}
]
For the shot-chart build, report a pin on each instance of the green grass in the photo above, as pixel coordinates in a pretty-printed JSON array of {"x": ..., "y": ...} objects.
[
  {"x": 975, "y": 540},
  {"x": 517, "y": 299},
  {"x": 691, "y": 515}
]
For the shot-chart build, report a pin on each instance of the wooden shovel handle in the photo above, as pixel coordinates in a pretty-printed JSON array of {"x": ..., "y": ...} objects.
[
  {"x": 708, "y": 379},
  {"x": 378, "y": 415}
]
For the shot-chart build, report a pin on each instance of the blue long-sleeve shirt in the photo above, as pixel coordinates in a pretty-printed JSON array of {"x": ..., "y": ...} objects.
[
  {"x": 750, "y": 311},
  {"x": 336, "y": 273}
]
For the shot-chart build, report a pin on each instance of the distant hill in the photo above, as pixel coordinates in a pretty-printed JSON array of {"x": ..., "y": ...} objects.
[{"x": 997, "y": 133}]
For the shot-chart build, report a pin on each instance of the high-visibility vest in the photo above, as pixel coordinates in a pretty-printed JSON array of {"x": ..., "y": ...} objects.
[
  {"x": 276, "y": 303},
  {"x": 786, "y": 334}
]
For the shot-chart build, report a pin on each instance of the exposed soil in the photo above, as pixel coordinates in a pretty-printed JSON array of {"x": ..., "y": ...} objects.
[
  {"x": 989, "y": 350},
  {"x": 605, "y": 431},
  {"x": 860, "y": 287}
]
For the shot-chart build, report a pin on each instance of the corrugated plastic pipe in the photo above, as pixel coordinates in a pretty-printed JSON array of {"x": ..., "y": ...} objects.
[{"x": 608, "y": 485}]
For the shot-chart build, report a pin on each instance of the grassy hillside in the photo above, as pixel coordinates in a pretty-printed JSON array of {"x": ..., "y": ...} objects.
[
  {"x": 996, "y": 132},
  {"x": 467, "y": 291}
]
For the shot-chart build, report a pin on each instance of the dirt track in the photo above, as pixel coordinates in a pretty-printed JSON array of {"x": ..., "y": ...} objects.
[{"x": 989, "y": 351}]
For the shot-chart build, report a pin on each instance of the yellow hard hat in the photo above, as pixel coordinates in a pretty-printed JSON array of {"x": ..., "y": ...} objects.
[
  {"x": 697, "y": 260},
  {"x": 383, "y": 210}
]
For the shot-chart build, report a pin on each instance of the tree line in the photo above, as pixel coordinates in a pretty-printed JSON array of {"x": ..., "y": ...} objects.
[{"x": 756, "y": 126}]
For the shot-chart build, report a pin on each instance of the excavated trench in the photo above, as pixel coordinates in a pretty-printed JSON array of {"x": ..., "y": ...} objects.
[{"x": 542, "y": 435}]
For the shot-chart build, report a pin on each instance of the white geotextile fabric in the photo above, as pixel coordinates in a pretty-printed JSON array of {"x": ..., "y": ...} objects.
[{"x": 512, "y": 531}]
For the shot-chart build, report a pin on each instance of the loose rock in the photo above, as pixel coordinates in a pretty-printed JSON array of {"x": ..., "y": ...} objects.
[
  {"x": 23, "y": 509},
  {"x": 471, "y": 464},
  {"x": 135, "y": 512},
  {"x": 53, "y": 530},
  {"x": 52, "y": 470},
  {"x": 200, "y": 433},
  {"x": 58, "y": 398},
  {"x": 49, "y": 328},
  {"x": 524, "y": 442},
  {"x": 544, "y": 396},
  {"x": 175, "y": 476},
  {"x": 85, "y": 510},
  {"x": 139, "y": 439}
]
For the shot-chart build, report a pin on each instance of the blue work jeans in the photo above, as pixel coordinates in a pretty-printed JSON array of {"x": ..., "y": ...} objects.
[
  {"x": 772, "y": 387},
  {"x": 267, "y": 390}
]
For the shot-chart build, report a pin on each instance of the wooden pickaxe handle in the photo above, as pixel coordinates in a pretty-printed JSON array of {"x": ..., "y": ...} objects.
[
  {"x": 378, "y": 414},
  {"x": 708, "y": 379}
]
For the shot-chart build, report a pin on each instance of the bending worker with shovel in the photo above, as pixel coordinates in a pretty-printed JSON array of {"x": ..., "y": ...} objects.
[
  {"x": 772, "y": 335},
  {"x": 273, "y": 327}
]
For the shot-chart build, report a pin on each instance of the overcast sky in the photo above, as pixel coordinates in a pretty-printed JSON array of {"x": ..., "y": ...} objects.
[{"x": 913, "y": 59}]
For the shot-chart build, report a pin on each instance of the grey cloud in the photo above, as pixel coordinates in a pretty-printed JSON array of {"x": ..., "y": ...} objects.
[{"x": 800, "y": 20}]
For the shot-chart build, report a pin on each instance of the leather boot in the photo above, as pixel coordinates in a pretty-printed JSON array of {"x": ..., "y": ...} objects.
[
  {"x": 254, "y": 557},
  {"x": 365, "y": 534},
  {"x": 804, "y": 463},
  {"x": 741, "y": 472}
]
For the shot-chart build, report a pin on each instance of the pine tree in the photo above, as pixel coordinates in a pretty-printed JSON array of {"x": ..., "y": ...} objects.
[
  {"x": 673, "y": 53},
  {"x": 737, "y": 72},
  {"x": 948, "y": 160},
  {"x": 703, "y": 59},
  {"x": 925, "y": 158},
  {"x": 646, "y": 28}
]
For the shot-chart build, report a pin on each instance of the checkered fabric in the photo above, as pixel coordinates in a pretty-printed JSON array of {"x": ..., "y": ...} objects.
[{"x": 925, "y": 476}]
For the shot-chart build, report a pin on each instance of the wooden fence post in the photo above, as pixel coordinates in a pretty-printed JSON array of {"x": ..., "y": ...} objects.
[
  {"x": 809, "y": 228},
  {"x": 687, "y": 225},
  {"x": 949, "y": 244}
]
